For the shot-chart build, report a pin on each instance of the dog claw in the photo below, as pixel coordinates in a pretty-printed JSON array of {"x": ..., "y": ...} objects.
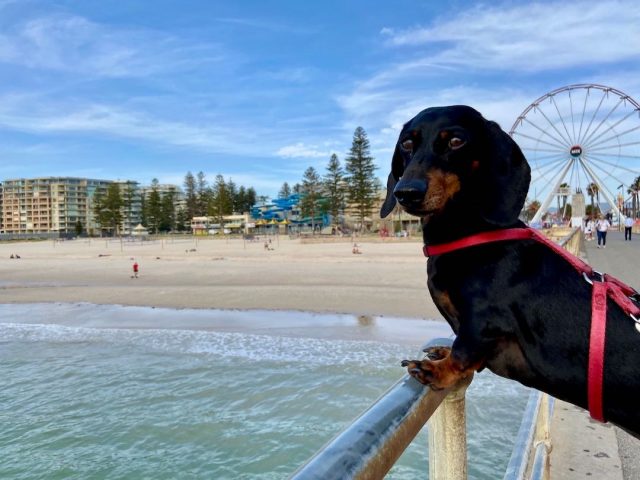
[{"x": 437, "y": 353}]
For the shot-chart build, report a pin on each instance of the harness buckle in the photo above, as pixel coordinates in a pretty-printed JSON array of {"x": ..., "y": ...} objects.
[{"x": 594, "y": 277}]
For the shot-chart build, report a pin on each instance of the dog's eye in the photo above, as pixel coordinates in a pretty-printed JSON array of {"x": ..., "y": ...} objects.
[
  {"x": 456, "y": 142},
  {"x": 407, "y": 145}
]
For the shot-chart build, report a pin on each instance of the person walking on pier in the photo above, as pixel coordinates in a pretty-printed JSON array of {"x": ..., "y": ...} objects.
[
  {"x": 602, "y": 226},
  {"x": 588, "y": 229},
  {"x": 135, "y": 270},
  {"x": 628, "y": 225}
]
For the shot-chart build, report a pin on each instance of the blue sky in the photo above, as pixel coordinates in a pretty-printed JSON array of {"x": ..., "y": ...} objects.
[{"x": 259, "y": 90}]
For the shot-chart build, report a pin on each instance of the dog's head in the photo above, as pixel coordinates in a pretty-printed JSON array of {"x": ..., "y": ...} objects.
[{"x": 447, "y": 155}]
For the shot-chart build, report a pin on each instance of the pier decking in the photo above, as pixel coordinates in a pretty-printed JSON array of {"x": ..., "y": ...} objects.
[{"x": 584, "y": 448}]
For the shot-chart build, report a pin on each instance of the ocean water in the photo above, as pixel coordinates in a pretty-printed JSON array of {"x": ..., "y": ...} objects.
[{"x": 108, "y": 392}]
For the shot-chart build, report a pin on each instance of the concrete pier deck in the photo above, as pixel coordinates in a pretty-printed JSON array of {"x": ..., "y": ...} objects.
[{"x": 583, "y": 448}]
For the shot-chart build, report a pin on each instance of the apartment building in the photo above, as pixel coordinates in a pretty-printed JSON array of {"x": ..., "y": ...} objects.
[{"x": 49, "y": 206}]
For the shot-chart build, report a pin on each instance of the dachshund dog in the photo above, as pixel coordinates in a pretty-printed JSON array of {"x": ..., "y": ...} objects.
[{"x": 516, "y": 306}]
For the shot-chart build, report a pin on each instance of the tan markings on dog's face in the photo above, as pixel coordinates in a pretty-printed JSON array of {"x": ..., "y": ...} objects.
[{"x": 442, "y": 187}]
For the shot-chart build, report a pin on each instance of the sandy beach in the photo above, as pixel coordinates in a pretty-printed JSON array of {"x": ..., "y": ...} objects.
[{"x": 387, "y": 279}]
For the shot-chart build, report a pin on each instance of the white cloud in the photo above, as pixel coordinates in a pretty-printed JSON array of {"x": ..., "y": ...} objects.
[
  {"x": 530, "y": 37},
  {"x": 74, "y": 44},
  {"x": 300, "y": 150},
  {"x": 32, "y": 114}
]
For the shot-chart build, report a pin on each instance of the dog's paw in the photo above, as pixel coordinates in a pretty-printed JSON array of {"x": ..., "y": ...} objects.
[{"x": 423, "y": 371}]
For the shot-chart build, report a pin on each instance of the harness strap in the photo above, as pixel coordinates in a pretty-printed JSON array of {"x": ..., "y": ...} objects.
[
  {"x": 606, "y": 287},
  {"x": 596, "y": 350}
]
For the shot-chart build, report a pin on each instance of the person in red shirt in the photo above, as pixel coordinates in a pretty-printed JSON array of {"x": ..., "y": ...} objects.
[{"x": 135, "y": 269}]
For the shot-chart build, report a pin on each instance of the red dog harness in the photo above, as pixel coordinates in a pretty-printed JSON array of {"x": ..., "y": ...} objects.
[{"x": 604, "y": 286}]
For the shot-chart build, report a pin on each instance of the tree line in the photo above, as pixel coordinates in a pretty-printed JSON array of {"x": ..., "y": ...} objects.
[
  {"x": 355, "y": 184},
  {"x": 221, "y": 198},
  {"x": 158, "y": 208}
]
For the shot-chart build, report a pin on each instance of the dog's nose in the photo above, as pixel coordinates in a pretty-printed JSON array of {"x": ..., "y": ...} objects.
[{"x": 410, "y": 192}]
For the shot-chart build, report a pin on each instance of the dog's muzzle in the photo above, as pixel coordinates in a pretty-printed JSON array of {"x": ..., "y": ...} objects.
[{"x": 410, "y": 193}]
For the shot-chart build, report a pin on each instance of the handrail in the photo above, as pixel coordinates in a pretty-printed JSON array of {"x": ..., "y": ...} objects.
[
  {"x": 368, "y": 448},
  {"x": 530, "y": 456}
]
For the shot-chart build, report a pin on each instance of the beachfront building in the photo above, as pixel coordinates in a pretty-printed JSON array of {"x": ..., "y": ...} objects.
[
  {"x": 1, "y": 221},
  {"x": 398, "y": 223},
  {"x": 236, "y": 223},
  {"x": 49, "y": 207}
]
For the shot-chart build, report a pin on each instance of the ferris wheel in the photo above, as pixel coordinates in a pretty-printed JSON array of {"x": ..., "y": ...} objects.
[{"x": 581, "y": 138}]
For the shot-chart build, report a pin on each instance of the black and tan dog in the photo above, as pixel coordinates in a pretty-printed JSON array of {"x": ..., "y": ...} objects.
[{"x": 516, "y": 307}]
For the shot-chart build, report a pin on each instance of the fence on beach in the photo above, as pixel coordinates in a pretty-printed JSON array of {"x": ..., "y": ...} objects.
[{"x": 369, "y": 447}]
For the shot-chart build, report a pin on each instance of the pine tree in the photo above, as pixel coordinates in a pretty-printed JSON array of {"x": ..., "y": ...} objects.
[
  {"x": 251, "y": 198},
  {"x": 239, "y": 200},
  {"x": 202, "y": 192},
  {"x": 232, "y": 192},
  {"x": 360, "y": 176},
  {"x": 183, "y": 222},
  {"x": 334, "y": 187},
  {"x": 153, "y": 207},
  {"x": 191, "y": 196},
  {"x": 128, "y": 197},
  {"x": 108, "y": 208},
  {"x": 167, "y": 219},
  {"x": 311, "y": 194},
  {"x": 285, "y": 190},
  {"x": 222, "y": 202}
]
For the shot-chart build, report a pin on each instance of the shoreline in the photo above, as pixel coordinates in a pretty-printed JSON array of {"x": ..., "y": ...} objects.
[
  {"x": 387, "y": 279},
  {"x": 292, "y": 324}
]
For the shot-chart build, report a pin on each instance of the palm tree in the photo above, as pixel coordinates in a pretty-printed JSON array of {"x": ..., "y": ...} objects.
[
  {"x": 531, "y": 209},
  {"x": 594, "y": 191},
  {"x": 633, "y": 190}
]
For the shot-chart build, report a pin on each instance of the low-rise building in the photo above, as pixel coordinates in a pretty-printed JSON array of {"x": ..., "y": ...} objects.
[{"x": 236, "y": 223}]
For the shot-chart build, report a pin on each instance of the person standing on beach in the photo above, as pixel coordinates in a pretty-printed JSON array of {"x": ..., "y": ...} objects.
[
  {"x": 602, "y": 226},
  {"x": 628, "y": 225},
  {"x": 135, "y": 270}
]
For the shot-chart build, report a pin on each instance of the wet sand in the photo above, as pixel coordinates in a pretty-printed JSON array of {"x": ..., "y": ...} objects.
[
  {"x": 295, "y": 324},
  {"x": 387, "y": 279}
]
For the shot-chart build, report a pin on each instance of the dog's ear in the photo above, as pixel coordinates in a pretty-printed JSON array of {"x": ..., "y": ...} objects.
[
  {"x": 506, "y": 178},
  {"x": 397, "y": 169}
]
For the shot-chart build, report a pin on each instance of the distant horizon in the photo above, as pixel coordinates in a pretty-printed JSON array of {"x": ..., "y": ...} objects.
[{"x": 258, "y": 93}]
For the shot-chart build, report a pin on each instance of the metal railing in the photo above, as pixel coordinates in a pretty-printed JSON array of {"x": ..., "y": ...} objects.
[
  {"x": 369, "y": 447},
  {"x": 530, "y": 457}
]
